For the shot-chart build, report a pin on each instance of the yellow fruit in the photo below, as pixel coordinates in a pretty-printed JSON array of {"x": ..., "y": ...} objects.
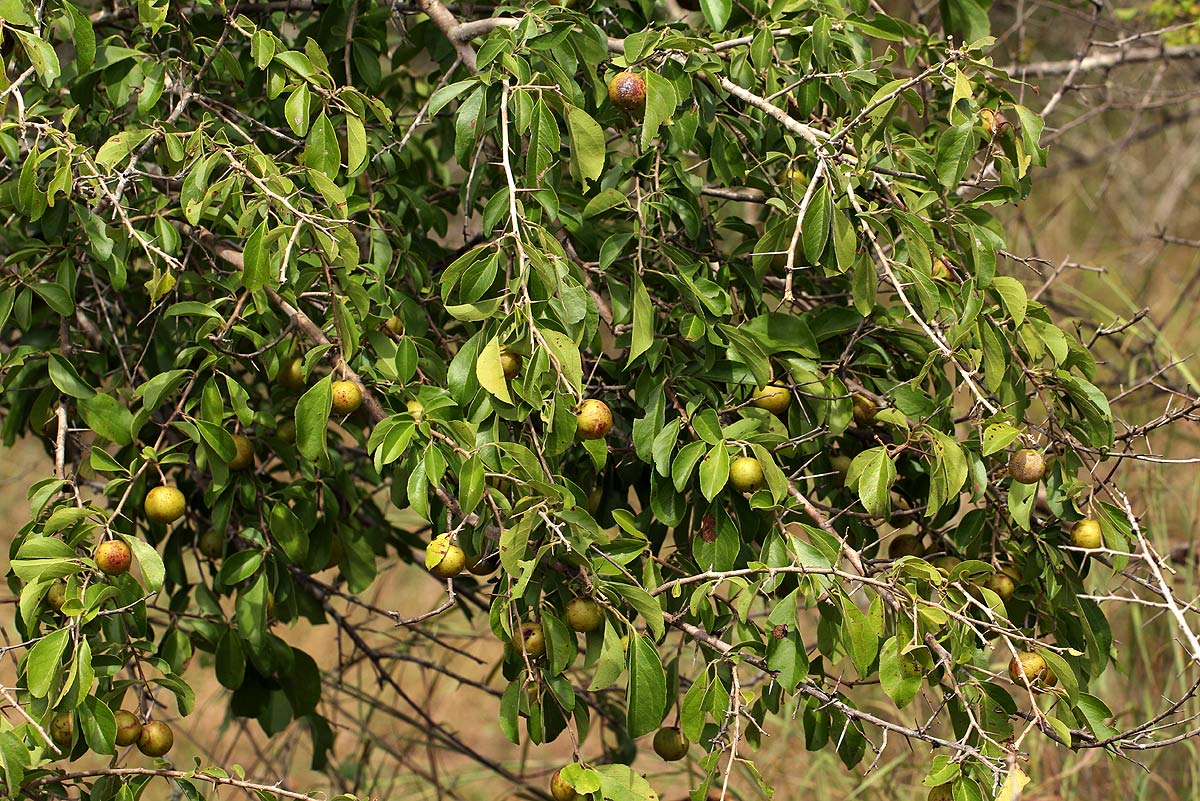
[
  {"x": 941, "y": 270},
  {"x": 128, "y": 728},
  {"x": 1086, "y": 534},
  {"x": 1028, "y": 665},
  {"x": 443, "y": 558},
  {"x": 670, "y": 744},
  {"x": 164, "y": 505},
  {"x": 593, "y": 419},
  {"x": 510, "y": 363},
  {"x": 113, "y": 557},
  {"x": 775, "y": 398},
  {"x": 244, "y": 457},
  {"x": 416, "y": 409},
  {"x": 56, "y": 596},
  {"x": 864, "y": 410},
  {"x": 347, "y": 397},
  {"x": 906, "y": 545},
  {"x": 1001, "y": 584},
  {"x": 533, "y": 641},
  {"x": 211, "y": 544},
  {"x": 1026, "y": 466},
  {"x": 627, "y": 92},
  {"x": 62, "y": 729},
  {"x": 155, "y": 739},
  {"x": 746, "y": 474},
  {"x": 559, "y": 789},
  {"x": 291, "y": 374},
  {"x": 395, "y": 325},
  {"x": 584, "y": 614}
]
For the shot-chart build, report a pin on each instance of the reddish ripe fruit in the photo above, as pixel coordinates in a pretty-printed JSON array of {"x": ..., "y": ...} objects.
[
  {"x": 155, "y": 739},
  {"x": 128, "y": 728},
  {"x": 113, "y": 557},
  {"x": 347, "y": 397},
  {"x": 627, "y": 91},
  {"x": 593, "y": 419}
]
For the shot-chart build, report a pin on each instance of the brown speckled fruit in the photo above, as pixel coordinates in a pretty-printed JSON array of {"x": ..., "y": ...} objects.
[
  {"x": 584, "y": 614},
  {"x": 113, "y": 557},
  {"x": 994, "y": 122},
  {"x": 156, "y": 739},
  {"x": 164, "y": 505},
  {"x": 1026, "y": 466},
  {"x": 211, "y": 544},
  {"x": 745, "y": 474},
  {"x": 670, "y": 744},
  {"x": 906, "y": 545},
  {"x": 775, "y": 398},
  {"x": 511, "y": 363},
  {"x": 532, "y": 639},
  {"x": 1001, "y": 584},
  {"x": 593, "y": 419},
  {"x": 128, "y": 728},
  {"x": 62, "y": 729},
  {"x": 244, "y": 457},
  {"x": 443, "y": 558},
  {"x": 627, "y": 91},
  {"x": 56, "y": 596},
  {"x": 559, "y": 789},
  {"x": 1028, "y": 665},
  {"x": 1086, "y": 534},
  {"x": 347, "y": 397}
]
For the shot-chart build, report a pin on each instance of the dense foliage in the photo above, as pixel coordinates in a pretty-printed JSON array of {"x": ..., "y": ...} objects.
[{"x": 216, "y": 216}]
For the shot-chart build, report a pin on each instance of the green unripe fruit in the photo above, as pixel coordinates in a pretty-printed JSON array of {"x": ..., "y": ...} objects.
[
  {"x": 1028, "y": 666},
  {"x": 347, "y": 397},
  {"x": 584, "y": 614},
  {"x": 286, "y": 430},
  {"x": 164, "y": 505},
  {"x": 62, "y": 729},
  {"x": 113, "y": 557},
  {"x": 945, "y": 563},
  {"x": 906, "y": 545},
  {"x": 416, "y": 409},
  {"x": 443, "y": 558},
  {"x": 593, "y": 419},
  {"x": 56, "y": 596},
  {"x": 775, "y": 398},
  {"x": 841, "y": 465},
  {"x": 1086, "y": 534},
  {"x": 533, "y": 641},
  {"x": 211, "y": 544},
  {"x": 746, "y": 474},
  {"x": 864, "y": 410},
  {"x": 129, "y": 729},
  {"x": 511, "y": 363},
  {"x": 291, "y": 374},
  {"x": 559, "y": 789},
  {"x": 1026, "y": 466},
  {"x": 627, "y": 91},
  {"x": 244, "y": 457},
  {"x": 670, "y": 744},
  {"x": 943, "y": 792},
  {"x": 155, "y": 739}
]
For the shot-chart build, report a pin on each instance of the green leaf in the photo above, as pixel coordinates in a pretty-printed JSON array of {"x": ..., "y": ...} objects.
[
  {"x": 612, "y": 659},
  {"x": 312, "y": 417},
  {"x": 84, "y": 36},
  {"x": 786, "y": 656},
  {"x": 63, "y": 374},
  {"x": 14, "y": 13},
  {"x": 43, "y": 663},
  {"x": 871, "y": 474},
  {"x": 231, "y": 660},
  {"x": 643, "y": 321},
  {"x": 661, "y": 101},
  {"x": 106, "y": 416},
  {"x": 119, "y": 146},
  {"x": 490, "y": 372},
  {"x": 255, "y": 262},
  {"x": 646, "y": 695},
  {"x": 566, "y": 354},
  {"x": 997, "y": 437},
  {"x": 41, "y": 55},
  {"x": 587, "y": 144},
  {"x": 98, "y": 725},
  {"x": 714, "y": 471},
  {"x": 898, "y": 674},
  {"x": 716, "y": 13},
  {"x": 296, "y": 109},
  {"x": 814, "y": 229},
  {"x": 954, "y": 150},
  {"x": 151, "y": 564}
]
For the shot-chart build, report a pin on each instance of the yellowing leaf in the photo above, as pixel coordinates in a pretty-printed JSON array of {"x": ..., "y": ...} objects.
[
  {"x": 490, "y": 372},
  {"x": 1013, "y": 785}
]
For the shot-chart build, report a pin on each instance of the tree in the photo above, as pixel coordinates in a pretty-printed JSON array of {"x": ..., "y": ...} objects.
[{"x": 303, "y": 271}]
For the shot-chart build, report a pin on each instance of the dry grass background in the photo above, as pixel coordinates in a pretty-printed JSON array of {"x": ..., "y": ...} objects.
[{"x": 1107, "y": 214}]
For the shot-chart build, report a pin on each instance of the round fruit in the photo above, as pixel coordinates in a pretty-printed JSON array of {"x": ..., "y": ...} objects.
[
  {"x": 627, "y": 92},
  {"x": 443, "y": 558},
  {"x": 1028, "y": 665},
  {"x": 128, "y": 728},
  {"x": 593, "y": 419},
  {"x": 395, "y": 325},
  {"x": 746, "y": 474},
  {"x": 244, "y": 457},
  {"x": 416, "y": 409},
  {"x": 906, "y": 545},
  {"x": 286, "y": 430},
  {"x": 56, "y": 596},
  {"x": 211, "y": 544},
  {"x": 994, "y": 122},
  {"x": 1026, "y": 466},
  {"x": 156, "y": 739},
  {"x": 62, "y": 729},
  {"x": 559, "y": 789},
  {"x": 291, "y": 374},
  {"x": 164, "y": 505},
  {"x": 864, "y": 410},
  {"x": 670, "y": 744},
  {"x": 584, "y": 614},
  {"x": 945, "y": 563},
  {"x": 1086, "y": 534},
  {"x": 1001, "y": 584},
  {"x": 532, "y": 639},
  {"x": 113, "y": 557},
  {"x": 347, "y": 397},
  {"x": 510, "y": 363},
  {"x": 775, "y": 398},
  {"x": 485, "y": 565},
  {"x": 841, "y": 465}
]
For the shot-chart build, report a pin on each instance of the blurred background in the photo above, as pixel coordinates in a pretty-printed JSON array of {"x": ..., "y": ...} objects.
[{"x": 1111, "y": 235}]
